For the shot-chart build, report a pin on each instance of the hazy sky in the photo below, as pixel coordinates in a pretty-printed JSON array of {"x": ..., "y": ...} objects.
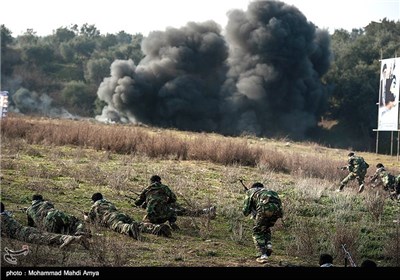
[{"x": 134, "y": 16}]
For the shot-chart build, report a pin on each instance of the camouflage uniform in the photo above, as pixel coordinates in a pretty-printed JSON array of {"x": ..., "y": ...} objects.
[
  {"x": 158, "y": 199},
  {"x": 182, "y": 211},
  {"x": 266, "y": 208},
  {"x": 104, "y": 213},
  {"x": 390, "y": 182},
  {"x": 358, "y": 169},
  {"x": 42, "y": 214},
  {"x": 11, "y": 228}
]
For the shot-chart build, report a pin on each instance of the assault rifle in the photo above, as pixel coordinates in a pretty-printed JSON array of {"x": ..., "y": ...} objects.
[
  {"x": 253, "y": 212},
  {"x": 134, "y": 198},
  {"x": 244, "y": 186},
  {"x": 347, "y": 257}
]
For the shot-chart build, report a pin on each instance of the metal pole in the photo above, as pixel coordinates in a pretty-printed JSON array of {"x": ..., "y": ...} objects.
[
  {"x": 377, "y": 141},
  {"x": 391, "y": 143},
  {"x": 398, "y": 144}
]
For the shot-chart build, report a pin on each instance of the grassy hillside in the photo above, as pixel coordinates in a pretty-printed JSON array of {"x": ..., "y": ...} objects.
[{"x": 67, "y": 161}]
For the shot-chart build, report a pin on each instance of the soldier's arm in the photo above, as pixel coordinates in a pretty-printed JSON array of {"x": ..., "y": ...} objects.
[
  {"x": 247, "y": 206},
  {"x": 142, "y": 198},
  {"x": 31, "y": 222},
  {"x": 171, "y": 195}
]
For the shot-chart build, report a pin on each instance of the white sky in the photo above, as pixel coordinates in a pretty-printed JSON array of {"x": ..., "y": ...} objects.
[{"x": 134, "y": 16}]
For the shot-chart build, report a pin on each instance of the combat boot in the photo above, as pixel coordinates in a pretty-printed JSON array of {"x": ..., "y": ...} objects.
[
  {"x": 156, "y": 229},
  {"x": 79, "y": 239},
  {"x": 174, "y": 226},
  {"x": 67, "y": 241},
  {"x": 134, "y": 231},
  {"x": 269, "y": 249},
  {"x": 162, "y": 230},
  {"x": 262, "y": 259},
  {"x": 341, "y": 188}
]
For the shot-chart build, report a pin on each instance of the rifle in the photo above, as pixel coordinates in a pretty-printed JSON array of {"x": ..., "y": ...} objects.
[
  {"x": 347, "y": 257},
  {"x": 244, "y": 186}
]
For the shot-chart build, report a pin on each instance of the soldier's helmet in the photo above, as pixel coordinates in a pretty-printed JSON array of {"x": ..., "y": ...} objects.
[
  {"x": 257, "y": 185},
  {"x": 155, "y": 178},
  {"x": 97, "y": 196},
  {"x": 379, "y": 165},
  {"x": 37, "y": 197},
  {"x": 350, "y": 154}
]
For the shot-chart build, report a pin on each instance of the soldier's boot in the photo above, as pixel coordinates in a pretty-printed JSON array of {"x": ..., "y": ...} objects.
[
  {"x": 134, "y": 230},
  {"x": 174, "y": 226},
  {"x": 85, "y": 233},
  {"x": 341, "y": 188},
  {"x": 72, "y": 239},
  {"x": 211, "y": 212},
  {"x": 361, "y": 188},
  {"x": 269, "y": 249},
  {"x": 82, "y": 239},
  {"x": 161, "y": 229},
  {"x": 264, "y": 257},
  {"x": 67, "y": 241}
]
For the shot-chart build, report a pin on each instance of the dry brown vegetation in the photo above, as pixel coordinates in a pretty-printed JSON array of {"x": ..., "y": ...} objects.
[{"x": 68, "y": 160}]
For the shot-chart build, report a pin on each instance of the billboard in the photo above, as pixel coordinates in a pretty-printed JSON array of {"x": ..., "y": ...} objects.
[
  {"x": 388, "y": 112},
  {"x": 3, "y": 104}
]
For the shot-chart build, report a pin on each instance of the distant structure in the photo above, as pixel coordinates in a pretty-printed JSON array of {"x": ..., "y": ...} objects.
[
  {"x": 388, "y": 101},
  {"x": 3, "y": 104}
]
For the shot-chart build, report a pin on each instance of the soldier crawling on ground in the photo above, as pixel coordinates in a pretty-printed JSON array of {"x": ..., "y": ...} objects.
[
  {"x": 104, "y": 213},
  {"x": 11, "y": 228},
  {"x": 43, "y": 214}
]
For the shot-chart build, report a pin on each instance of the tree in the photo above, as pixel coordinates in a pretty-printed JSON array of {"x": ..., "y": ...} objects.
[{"x": 96, "y": 70}]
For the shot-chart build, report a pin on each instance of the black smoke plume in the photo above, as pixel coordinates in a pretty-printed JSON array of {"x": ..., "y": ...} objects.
[{"x": 261, "y": 77}]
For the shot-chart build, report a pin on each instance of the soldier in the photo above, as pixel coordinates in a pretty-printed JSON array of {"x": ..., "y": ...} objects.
[
  {"x": 266, "y": 208},
  {"x": 43, "y": 214},
  {"x": 357, "y": 167},
  {"x": 11, "y": 228},
  {"x": 104, "y": 213},
  {"x": 158, "y": 199},
  {"x": 210, "y": 212},
  {"x": 388, "y": 180}
]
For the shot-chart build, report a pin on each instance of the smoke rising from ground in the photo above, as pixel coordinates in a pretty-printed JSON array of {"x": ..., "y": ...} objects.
[{"x": 261, "y": 77}]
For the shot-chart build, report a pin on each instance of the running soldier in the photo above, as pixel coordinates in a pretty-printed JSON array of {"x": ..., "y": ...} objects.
[
  {"x": 389, "y": 182},
  {"x": 357, "y": 167},
  {"x": 266, "y": 208}
]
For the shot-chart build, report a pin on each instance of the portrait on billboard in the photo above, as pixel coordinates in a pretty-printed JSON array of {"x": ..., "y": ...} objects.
[{"x": 388, "y": 118}]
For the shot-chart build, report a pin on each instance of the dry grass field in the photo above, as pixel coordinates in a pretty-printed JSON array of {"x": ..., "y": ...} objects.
[{"x": 68, "y": 160}]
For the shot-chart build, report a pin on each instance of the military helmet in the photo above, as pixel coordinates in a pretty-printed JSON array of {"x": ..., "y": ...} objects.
[
  {"x": 379, "y": 165},
  {"x": 257, "y": 185},
  {"x": 350, "y": 154},
  {"x": 97, "y": 196},
  {"x": 155, "y": 178}
]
